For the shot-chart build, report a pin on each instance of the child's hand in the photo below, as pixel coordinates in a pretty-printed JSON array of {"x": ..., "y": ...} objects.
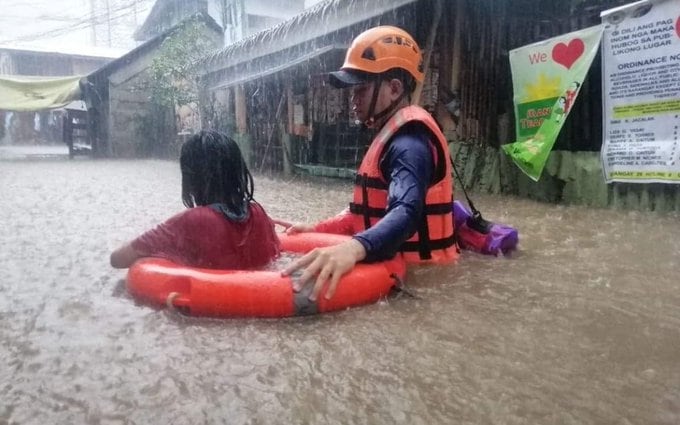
[
  {"x": 299, "y": 228},
  {"x": 283, "y": 223}
]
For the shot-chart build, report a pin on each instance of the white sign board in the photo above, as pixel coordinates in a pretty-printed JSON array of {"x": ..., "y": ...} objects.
[{"x": 641, "y": 92}]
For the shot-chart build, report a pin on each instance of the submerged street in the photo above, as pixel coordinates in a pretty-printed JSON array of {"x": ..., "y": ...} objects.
[{"x": 580, "y": 326}]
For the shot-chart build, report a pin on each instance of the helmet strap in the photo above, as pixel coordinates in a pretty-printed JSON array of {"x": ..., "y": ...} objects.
[
  {"x": 372, "y": 117},
  {"x": 391, "y": 107},
  {"x": 371, "y": 109}
]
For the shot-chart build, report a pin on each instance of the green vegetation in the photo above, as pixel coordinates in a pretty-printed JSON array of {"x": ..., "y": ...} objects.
[
  {"x": 174, "y": 81},
  {"x": 172, "y": 85}
]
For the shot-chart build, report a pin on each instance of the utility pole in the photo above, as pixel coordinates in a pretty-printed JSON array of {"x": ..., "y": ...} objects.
[
  {"x": 108, "y": 20},
  {"x": 243, "y": 17},
  {"x": 94, "y": 22}
]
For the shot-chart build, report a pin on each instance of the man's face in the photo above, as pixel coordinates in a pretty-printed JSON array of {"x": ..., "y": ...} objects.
[
  {"x": 363, "y": 94},
  {"x": 361, "y": 100}
]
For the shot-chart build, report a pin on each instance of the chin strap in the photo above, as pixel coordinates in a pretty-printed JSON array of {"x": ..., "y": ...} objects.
[{"x": 390, "y": 108}]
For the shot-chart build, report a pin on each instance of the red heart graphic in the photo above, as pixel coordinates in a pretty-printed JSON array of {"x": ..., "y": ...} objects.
[
  {"x": 567, "y": 54},
  {"x": 677, "y": 27}
]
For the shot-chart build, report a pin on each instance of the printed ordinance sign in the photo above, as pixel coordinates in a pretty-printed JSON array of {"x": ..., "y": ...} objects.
[{"x": 641, "y": 92}]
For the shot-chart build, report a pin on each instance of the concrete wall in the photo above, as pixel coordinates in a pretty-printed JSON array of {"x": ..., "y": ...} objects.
[
  {"x": 136, "y": 126},
  {"x": 128, "y": 110},
  {"x": 280, "y": 9},
  {"x": 569, "y": 177},
  {"x": 6, "y": 64},
  {"x": 241, "y": 18},
  {"x": 128, "y": 106}
]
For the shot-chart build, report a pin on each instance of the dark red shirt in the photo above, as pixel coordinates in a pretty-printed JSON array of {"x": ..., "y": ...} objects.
[{"x": 204, "y": 237}]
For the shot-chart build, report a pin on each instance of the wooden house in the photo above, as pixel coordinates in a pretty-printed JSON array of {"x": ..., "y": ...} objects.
[{"x": 271, "y": 90}]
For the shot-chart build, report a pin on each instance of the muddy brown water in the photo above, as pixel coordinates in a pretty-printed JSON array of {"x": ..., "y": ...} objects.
[{"x": 580, "y": 326}]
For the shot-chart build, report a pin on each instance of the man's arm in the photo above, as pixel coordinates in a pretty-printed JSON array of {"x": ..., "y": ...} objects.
[{"x": 410, "y": 169}]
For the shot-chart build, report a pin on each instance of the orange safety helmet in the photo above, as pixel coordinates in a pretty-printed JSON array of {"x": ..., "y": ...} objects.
[{"x": 379, "y": 50}]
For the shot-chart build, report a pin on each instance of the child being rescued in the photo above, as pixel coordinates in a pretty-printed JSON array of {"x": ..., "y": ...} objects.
[{"x": 223, "y": 227}]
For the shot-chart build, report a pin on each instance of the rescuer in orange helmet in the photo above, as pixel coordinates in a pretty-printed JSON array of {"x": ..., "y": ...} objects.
[
  {"x": 402, "y": 203},
  {"x": 379, "y": 55}
]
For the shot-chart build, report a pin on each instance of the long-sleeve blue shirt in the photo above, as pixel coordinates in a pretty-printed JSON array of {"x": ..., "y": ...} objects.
[{"x": 408, "y": 166}]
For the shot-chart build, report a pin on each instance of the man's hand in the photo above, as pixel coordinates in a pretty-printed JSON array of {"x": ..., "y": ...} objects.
[{"x": 327, "y": 264}]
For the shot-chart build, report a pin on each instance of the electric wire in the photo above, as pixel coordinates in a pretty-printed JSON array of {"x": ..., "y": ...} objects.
[{"x": 84, "y": 21}]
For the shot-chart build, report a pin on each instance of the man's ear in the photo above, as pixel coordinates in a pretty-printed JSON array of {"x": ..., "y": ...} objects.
[{"x": 396, "y": 88}]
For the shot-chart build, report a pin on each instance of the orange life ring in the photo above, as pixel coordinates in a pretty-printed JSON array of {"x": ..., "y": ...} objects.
[{"x": 243, "y": 293}]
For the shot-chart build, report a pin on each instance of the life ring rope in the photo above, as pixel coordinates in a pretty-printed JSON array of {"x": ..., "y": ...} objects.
[
  {"x": 169, "y": 302},
  {"x": 401, "y": 288}
]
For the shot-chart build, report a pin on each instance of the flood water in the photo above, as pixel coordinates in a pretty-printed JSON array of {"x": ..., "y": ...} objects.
[{"x": 580, "y": 326}]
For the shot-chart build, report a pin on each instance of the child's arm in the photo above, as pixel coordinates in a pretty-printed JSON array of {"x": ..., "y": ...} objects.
[
  {"x": 125, "y": 256},
  {"x": 164, "y": 241},
  {"x": 341, "y": 224}
]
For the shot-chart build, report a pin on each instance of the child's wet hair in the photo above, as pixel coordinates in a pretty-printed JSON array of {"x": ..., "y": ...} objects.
[{"x": 214, "y": 172}]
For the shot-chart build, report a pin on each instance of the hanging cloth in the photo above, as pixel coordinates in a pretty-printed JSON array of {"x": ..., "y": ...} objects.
[{"x": 24, "y": 93}]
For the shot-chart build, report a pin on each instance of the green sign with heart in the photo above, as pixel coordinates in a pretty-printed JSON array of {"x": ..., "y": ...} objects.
[{"x": 546, "y": 78}]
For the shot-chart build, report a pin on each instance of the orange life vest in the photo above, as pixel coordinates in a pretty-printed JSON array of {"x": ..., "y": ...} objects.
[{"x": 434, "y": 241}]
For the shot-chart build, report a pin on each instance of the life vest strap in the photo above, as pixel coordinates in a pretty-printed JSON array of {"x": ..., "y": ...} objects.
[
  {"x": 432, "y": 209},
  {"x": 364, "y": 206},
  {"x": 372, "y": 182},
  {"x": 424, "y": 250},
  {"x": 434, "y": 244}
]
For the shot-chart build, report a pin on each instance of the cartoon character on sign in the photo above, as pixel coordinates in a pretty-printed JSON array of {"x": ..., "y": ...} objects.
[
  {"x": 570, "y": 96},
  {"x": 566, "y": 101},
  {"x": 560, "y": 109}
]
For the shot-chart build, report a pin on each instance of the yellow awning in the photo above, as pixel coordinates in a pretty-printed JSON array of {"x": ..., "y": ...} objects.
[{"x": 23, "y": 93}]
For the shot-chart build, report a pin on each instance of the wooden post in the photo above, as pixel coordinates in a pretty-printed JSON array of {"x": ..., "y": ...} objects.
[
  {"x": 240, "y": 114},
  {"x": 429, "y": 45},
  {"x": 457, "y": 41},
  {"x": 240, "y": 110},
  {"x": 286, "y": 136},
  {"x": 290, "y": 107},
  {"x": 67, "y": 132}
]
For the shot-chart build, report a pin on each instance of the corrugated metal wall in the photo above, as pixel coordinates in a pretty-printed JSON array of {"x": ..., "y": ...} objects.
[{"x": 489, "y": 31}]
